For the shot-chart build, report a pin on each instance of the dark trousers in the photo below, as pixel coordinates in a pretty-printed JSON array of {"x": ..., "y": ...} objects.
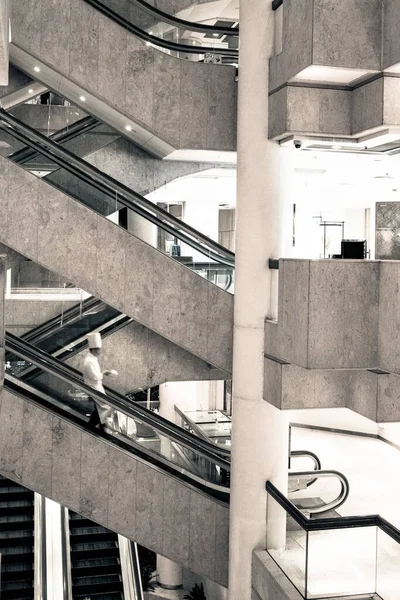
[{"x": 94, "y": 420}]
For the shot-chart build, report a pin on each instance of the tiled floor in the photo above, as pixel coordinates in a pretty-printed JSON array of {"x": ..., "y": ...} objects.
[{"x": 350, "y": 561}]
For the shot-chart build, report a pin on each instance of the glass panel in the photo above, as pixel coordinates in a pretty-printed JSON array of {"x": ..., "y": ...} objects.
[
  {"x": 341, "y": 562},
  {"x": 68, "y": 397},
  {"x": 388, "y": 567},
  {"x": 290, "y": 553},
  {"x": 106, "y": 203}
]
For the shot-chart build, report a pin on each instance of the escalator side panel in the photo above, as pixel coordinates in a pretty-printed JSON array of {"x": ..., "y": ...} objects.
[
  {"x": 96, "y": 479},
  {"x": 66, "y": 237},
  {"x": 150, "y": 96}
]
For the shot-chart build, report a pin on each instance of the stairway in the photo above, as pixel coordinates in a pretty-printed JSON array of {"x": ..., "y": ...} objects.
[
  {"x": 16, "y": 541},
  {"x": 95, "y": 562}
]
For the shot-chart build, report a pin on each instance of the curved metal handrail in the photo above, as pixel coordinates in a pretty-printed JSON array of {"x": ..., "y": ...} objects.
[
  {"x": 324, "y": 507},
  {"x": 155, "y": 41},
  {"x": 115, "y": 190},
  {"x": 276, "y": 4},
  {"x": 182, "y": 24},
  {"x": 314, "y": 458},
  {"x": 116, "y": 401}
]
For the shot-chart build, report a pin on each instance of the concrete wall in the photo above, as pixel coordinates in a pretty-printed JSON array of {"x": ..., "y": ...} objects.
[
  {"x": 391, "y": 41},
  {"x": 187, "y": 104},
  {"x": 23, "y": 315},
  {"x": 54, "y": 457},
  {"x": 16, "y": 81},
  {"x": 336, "y": 342},
  {"x": 64, "y": 236}
]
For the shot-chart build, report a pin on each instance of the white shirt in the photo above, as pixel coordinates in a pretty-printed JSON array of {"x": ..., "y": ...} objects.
[{"x": 93, "y": 377}]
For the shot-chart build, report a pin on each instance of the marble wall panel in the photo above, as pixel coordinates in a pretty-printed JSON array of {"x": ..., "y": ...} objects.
[
  {"x": 296, "y": 42},
  {"x": 52, "y": 227},
  {"x": 347, "y": 33},
  {"x": 324, "y": 111},
  {"x": 26, "y": 20},
  {"x": 222, "y": 107},
  {"x": 294, "y": 290},
  {"x": 175, "y": 532},
  {"x": 3, "y": 267},
  {"x": 273, "y": 382},
  {"x": 298, "y": 387},
  {"x": 389, "y": 317},
  {"x": 55, "y": 40},
  {"x": 388, "y": 402},
  {"x": 140, "y": 80},
  {"x": 84, "y": 49},
  {"x": 23, "y": 189},
  {"x": 112, "y": 87},
  {"x": 362, "y": 393},
  {"x": 268, "y": 581},
  {"x": 66, "y": 464},
  {"x": 4, "y": 164},
  {"x": 193, "y": 132},
  {"x": 277, "y": 113},
  {"x": 37, "y": 449},
  {"x": 94, "y": 479},
  {"x": 11, "y": 435},
  {"x": 149, "y": 506},
  {"x": 111, "y": 262},
  {"x": 220, "y": 328},
  {"x": 367, "y": 106},
  {"x": 202, "y": 534},
  {"x": 221, "y": 544},
  {"x": 140, "y": 297},
  {"x": 391, "y": 110},
  {"x": 82, "y": 246},
  {"x": 166, "y": 98},
  {"x": 122, "y": 493},
  {"x": 343, "y": 326},
  {"x": 391, "y": 40}
]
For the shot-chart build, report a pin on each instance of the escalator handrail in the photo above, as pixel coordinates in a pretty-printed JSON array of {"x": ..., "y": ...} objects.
[
  {"x": 156, "y": 41},
  {"x": 125, "y": 196},
  {"x": 61, "y": 136},
  {"x": 324, "y": 507},
  {"x": 182, "y": 23},
  {"x": 314, "y": 457},
  {"x": 116, "y": 401},
  {"x": 72, "y": 314},
  {"x": 329, "y": 523}
]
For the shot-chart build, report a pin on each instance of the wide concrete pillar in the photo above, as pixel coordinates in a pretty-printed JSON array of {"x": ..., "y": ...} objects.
[
  {"x": 169, "y": 574},
  {"x": 260, "y": 432}
]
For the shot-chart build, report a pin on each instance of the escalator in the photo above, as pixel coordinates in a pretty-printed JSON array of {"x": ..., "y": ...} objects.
[
  {"x": 207, "y": 328},
  {"x": 16, "y": 541},
  {"x": 95, "y": 560},
  {"x": 146, "y": 91}
]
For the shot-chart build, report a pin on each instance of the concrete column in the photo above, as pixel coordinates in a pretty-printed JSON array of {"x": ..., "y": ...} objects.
[
  {"x": 260, "y": 432},
  {"x": 169, "y": 573}
]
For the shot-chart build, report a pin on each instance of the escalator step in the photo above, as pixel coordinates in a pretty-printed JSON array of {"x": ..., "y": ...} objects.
[
  {"x": 79, "y": 570},
  {"x": 96, "y": 562},
  {"x": 16, "y": 507},
  {"x": 15, "y": 538},
  {"x": 15, "y": 493},
  {"x": 99, "y": 584},
  {"x": 14, "y": 522},
  {"x": 13, "y": 555},
  {"x": 94, "y": 553},
  {"x": 99, "y": 596}
]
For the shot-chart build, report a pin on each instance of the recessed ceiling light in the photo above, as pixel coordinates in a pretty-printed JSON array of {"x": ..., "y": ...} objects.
[
  {"x": 82, "y": 98},
  {"x": 150, "y": 33},
  {"x": 148, "y": 44},
  {"x": 215, "y": 34},
  {"x": 37, "y": 69},
  {"x": 128, "y": 127},
  {"x": 30, "y": 91},
  {"x": 335, "y": 147}
]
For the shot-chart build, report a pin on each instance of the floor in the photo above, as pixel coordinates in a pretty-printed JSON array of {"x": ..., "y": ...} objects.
[{"x": 366, "y": 560}]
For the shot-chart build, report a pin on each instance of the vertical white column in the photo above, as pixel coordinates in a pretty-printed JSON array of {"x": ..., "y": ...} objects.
[
  {"x": 260, "y": 432},
  {"x": 169, "y": 573}
]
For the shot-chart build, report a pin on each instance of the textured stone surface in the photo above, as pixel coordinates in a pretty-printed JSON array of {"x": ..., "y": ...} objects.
[
  {"x": 158, "y": 292},
  {"x": 152, "y": 88},
  {"x": 322, "y": 110},
  {"x": 367, "y": 106},
  {"x": 115, "y": 489},
  {"x": 347, "y": 33},
  {"x": 391, "y": 40},
  {"x": 268, "y": 581}
]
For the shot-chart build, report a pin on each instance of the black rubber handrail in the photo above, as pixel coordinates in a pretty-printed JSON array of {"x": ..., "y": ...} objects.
[
  {"x": 276, "y": 4},
  {"x": 155, "y": 41},
  {"x": 329, "y": 523},
  {"x": 115, "y": 190},
  {"x": 182, "y": 24},
  {"x": 72, "y": 314},
  {"x": 66, "y": 134},
  {"x": 174, "y": 432}
]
